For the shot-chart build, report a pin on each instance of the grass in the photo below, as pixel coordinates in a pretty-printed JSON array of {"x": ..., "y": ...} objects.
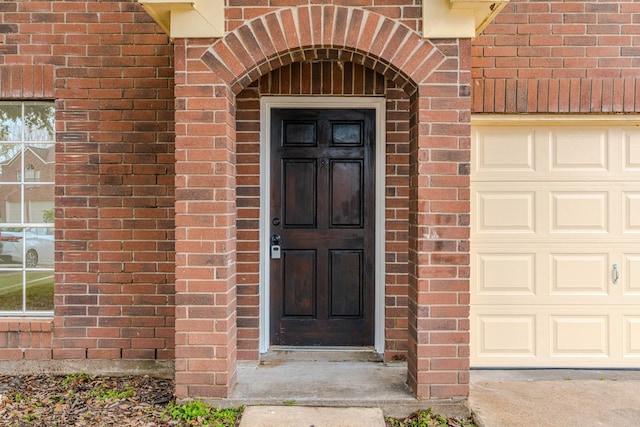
[
  {"x": 199, "y": 413},
  {"x": 105, "y": 394},
  {"x": 74, "y": 379},
  {"x": 39, "y": 290}
]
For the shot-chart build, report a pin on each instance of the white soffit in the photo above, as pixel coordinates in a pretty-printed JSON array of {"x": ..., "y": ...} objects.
[
  {"x": 458, "y": 18},
  {"x": 187, "y": 18}
]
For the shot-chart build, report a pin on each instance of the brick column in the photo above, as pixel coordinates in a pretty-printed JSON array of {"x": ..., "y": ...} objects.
[
  {"x": 439, "y": 209},
  {"x": 205, "y": 230}
]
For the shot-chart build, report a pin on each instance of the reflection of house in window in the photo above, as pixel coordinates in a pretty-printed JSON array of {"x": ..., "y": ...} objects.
[
  {"x": 30, "y": 173},
  {"x": 35, "y": 199}
]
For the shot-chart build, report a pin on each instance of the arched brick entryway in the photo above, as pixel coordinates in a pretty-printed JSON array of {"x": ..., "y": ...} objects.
[{"x": 435, "y": 76}]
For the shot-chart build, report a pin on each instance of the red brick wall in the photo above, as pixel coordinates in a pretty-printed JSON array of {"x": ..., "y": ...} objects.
[
  {"x": 110, "y": 72},
  {"x": 113, "y": 75},
  {"x": 322, "y": 78},
  {"x": 569, "y": 56},
  {"x": 28, "y": 339}
]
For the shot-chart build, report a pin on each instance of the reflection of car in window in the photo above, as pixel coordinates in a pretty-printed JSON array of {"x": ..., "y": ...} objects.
[{"x": 37, "y": 251}]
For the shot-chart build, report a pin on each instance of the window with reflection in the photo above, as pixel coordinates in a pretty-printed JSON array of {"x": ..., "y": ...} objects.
[{"x": 27, "y": 167}]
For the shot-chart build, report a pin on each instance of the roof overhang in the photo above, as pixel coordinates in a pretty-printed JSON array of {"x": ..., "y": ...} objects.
[
  {"x": 187, "y": 18},
  {"x": 458, "y": 18}
]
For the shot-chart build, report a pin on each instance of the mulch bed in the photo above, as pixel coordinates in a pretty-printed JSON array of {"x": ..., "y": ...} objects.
[{"x": 83, "y": 400}]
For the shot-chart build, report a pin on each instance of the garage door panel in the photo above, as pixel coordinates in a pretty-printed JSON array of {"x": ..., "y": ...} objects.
[
  {"x": 503, "y": 150},
  {"x": 579, "y": 150},
  {"x": 505, "y": 212},
  {"x": 579, "y": 274},
  {"x": 631, "y": 279},
  {"x": 631, "y": 151},
  {"x": 506, "y": 273},
  {"x": 506, "y": 335},
  {"x": 631, "y": 336},
  {"x": 579, "y": 336},
  {"x": 631, "y": 212},
  {"x": 579, "y": 212}
]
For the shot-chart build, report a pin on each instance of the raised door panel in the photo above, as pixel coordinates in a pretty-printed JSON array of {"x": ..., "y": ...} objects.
[
  {"x": 346, "y": 197},
  {"x": 630, "y": 280},
  {"x": 631, "y": 336},
  {"x": 505, "y": 212},
  {"x": 300, "y": 134},
  {"x": 348, "y": 134},
  {"x": 579, "y": 211},
  {"x": 631, "y": 211},
  {"x": 631, "y": 151},
  {"x": 300, "y": 193},
  {"x": 579, "y": 336},
  {"x": 506, "y": 335},
  {"x": 579, "y": 274},
  {"x": 346, "y": 283},
  {"x": 300, "y": 287},
  {"x": 502, "y": 151},
  {"x": 505, "y": 274},
  {"x": 579, "y": 150}
]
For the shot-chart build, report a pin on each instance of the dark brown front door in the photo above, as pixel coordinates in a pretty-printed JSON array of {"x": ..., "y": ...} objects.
[{"x": 322, "y": 209}]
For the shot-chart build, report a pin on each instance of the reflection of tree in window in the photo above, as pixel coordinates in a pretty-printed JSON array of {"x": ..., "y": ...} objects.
[{"x": 34, "y": 123}]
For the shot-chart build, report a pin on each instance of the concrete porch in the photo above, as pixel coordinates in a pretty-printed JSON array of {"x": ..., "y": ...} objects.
[{"x": 335, "y": 378}]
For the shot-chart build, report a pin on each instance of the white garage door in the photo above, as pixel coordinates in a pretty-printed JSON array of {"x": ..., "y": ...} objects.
[{"x": 555, "y": 243}]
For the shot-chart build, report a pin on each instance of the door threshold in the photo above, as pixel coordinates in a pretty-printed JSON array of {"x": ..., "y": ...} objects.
[{"x": 320, "y": 354}]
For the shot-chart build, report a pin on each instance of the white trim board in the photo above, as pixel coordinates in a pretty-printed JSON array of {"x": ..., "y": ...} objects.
[{"x": 267, "y": 103}]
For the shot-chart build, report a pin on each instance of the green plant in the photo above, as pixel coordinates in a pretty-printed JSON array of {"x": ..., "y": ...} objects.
[
  {"x": 104, "y": 394},
  {"x": 203, "y": 413},
  {"x": 289, "y": 402},
  {"x": 47, "y": 215},
  {"x": 75, "y": 379}
]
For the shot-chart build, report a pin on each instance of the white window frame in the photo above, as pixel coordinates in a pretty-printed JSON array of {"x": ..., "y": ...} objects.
[{"x": 23, "y": 182}]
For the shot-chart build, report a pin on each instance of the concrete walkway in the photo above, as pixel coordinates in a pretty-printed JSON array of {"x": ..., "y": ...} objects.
[
  {"x": 300, "y": 416},
  {"x": 343, "y": 380},
  {"x": 555, "y": 398},
  {"x": 302, "y": 389}
]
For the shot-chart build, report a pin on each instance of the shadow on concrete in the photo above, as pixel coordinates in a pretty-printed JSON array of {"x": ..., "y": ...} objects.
[{"x": 332, "y": 379}]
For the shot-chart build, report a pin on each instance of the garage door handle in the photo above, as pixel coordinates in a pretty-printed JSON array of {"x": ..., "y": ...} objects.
[{"x": 616, "y": 274}]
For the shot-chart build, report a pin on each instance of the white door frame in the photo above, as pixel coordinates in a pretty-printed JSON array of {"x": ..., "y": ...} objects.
[{"x": 267, "y": 103}]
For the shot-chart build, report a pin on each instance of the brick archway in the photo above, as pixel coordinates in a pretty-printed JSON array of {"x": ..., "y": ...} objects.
[
  {"x": 289, "y": 35},
  {"x": 436, "y": 75}
]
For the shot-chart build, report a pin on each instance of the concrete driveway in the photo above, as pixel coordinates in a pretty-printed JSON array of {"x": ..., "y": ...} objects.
[{"x": 549, "y": 398}]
